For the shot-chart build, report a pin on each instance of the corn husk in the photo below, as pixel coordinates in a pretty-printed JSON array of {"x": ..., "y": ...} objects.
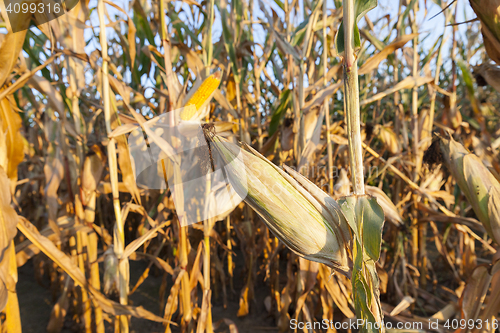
[
  {"x": 488, "y": 13},
  {"x": 387, "y": 136},
  {"x": 480, "y": 187},
  {"x": 111, "y": 274},
  {"x": 302, "y": 216}
]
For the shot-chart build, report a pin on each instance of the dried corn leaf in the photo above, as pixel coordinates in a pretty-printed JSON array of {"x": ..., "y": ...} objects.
[
  {"x": 474, "y": 293},
  {"x": 9, "y": 53},
  {"x": 66, "y": 264},
  {"x": 373, "y": 62},
  {"x": 490, "y": 73},
  {"x": 406, "y": 83},
  {"x": 389, "y": 139},
  {"x": 390, "y": 211},
  {"x": 13, "y": 145},
  {"x": 53, "y": 96},
  {"x": 8, "y": 222}
]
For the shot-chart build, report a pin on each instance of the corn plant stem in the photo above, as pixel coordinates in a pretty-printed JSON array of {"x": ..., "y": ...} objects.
[
  {"x": 178, "y": 188},
  {"x": 13, "y": 316},
  {"x": 119, "y": 234},
  {"x": 351, "y": 109},
  {"x": 87, "y": 312},
  {"x": 75, "y": 256},
  {"x": 277, "y": 295},
  {"x": 183, "y": 248},
  {"x": 243, "y": 119},
  {"x": 75, "y": 109},
  {"x": 396, "y": 74},
  {"x": 453, "y": 98},
  {"x": 414, "y": 99},
  {"x": 257, "y": 72},
  {"x": 326, "y": 106},
  {"x": 163, "y": 31},
  {"x": 300, "y": 135},
  {"x": 207, "y": 228},
  {"x": 207, "y": 224},
  {"x": 208, "y": 47},
  {"x": 422, "y": 231},
  {"x": 95, "y": 279},
  {"x": 206, "y": 277},
  {"x": 258, "y": 114},
  {"x": 416, "y": 228},
  {"x": 351, "y": 100},
  {"x": 173, "y": 93},
  {"x": 453, "y": 62},
  {"x": 439, "y": 61},
  {"x": 172, "y": 98},
  {"x": 398, "y": 114},
  {"x": 229, "y": 252}
]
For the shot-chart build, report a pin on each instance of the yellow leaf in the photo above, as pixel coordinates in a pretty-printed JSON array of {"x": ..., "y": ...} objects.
[
  {"x": 9, "y": 53},
  {"x": 8, "y": 221},
  {"x": 11, "y": 124}
]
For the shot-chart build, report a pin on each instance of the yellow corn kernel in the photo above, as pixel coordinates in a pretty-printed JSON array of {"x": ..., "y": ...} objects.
[{"x": 201, "y": 96}]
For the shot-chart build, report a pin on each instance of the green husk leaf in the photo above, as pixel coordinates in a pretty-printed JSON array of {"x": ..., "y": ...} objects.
[
  {"x": 494, "y": 212},
  {"x": 361, "y": 8},
  {"x": 373, "y": 221},
  {"x": 361, "y": 301},
  {"x": 348, "y": 206},
  {"x": 366, "y": 219}
]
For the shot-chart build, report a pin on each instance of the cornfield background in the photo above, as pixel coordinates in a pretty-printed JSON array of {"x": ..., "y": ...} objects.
[{"x": 97, "y": 252}]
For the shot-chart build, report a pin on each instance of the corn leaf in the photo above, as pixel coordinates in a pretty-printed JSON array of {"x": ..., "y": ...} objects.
[
  {"x": 361, "y": 7},
  {"x": 66, "y": 264}
]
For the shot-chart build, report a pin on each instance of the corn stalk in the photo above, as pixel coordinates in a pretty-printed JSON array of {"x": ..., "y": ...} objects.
[
  {"x": 363, "y": 213},
  {"x": 351, "y": 99},
  {"x": 326, "y": 106},
  {"x": 119, "y": 232}
]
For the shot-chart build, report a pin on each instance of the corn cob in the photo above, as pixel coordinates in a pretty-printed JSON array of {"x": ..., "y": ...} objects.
[
  {"x": 301, "y": 215},
  {"x": 480, "y": 187},
  {"x": 200, "y": 98}
]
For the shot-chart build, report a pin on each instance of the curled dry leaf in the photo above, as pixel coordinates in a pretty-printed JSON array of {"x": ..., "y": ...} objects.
[
  {"x": 390, "y": 210},
  {"x": 490, "y": 73},
  {"x": 475, "y": 292},
  {"x": 373, "y": 62}
]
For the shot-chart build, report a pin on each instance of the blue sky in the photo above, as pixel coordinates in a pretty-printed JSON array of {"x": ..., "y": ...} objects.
[{"x": 433, "y": 28}]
